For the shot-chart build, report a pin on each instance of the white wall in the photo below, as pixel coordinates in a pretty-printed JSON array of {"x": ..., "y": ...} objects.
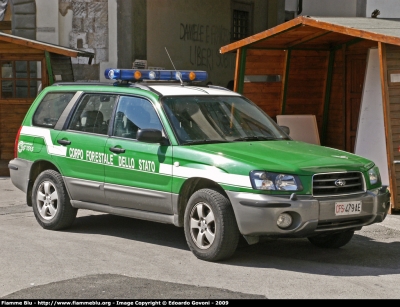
[
  {"x": 345, "y": 8},
  {"x": 339, "y": 8},
  {"x": 112, "y": 40},
  {"x": 388, "y": 8},
  {"x": 370, "y": 140},
  {"x": 47, "y": 21},
  {"x": 64, "y": 28},
  {"x": 291, "y": 5}
]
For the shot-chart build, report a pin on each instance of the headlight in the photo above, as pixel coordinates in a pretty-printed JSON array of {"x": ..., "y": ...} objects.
[
  {"x": 261, "y": 180},
  {"x": 374, "y": 176}
]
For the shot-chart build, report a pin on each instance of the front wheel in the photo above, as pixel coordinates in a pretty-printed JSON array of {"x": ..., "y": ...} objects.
[
  {"x": 50, "y": 201},
  {"x": 210, "y": 226},
  {"x": 335, "y": 240}
]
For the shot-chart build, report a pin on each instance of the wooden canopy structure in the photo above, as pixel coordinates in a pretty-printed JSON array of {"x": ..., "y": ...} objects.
[
  {"x": 317, "y": 65},
  {"x": 26, "y": 67}
]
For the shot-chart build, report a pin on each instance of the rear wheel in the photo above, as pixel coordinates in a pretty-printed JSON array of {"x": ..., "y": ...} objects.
[
  {"x": 335, "y": 240},
  {"x": 210, "y": 226},
  {"x": 50, "y": 201}
]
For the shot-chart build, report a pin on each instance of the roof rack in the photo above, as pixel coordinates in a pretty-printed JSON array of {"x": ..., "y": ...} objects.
[
  {"x": 80, "y": 83},
  {"x": 219, "y": 87},
  {"x": 140, "y": 85}
]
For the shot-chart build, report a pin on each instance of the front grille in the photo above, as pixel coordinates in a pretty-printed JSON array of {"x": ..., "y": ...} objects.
[
  {"x": 328, "y": 225},
  {"x": 340, "y": 224},
  {"x": 335, "y": 184}
]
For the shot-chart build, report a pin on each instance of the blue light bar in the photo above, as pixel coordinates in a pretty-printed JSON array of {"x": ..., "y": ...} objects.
[{"x": 134, "y": 75}]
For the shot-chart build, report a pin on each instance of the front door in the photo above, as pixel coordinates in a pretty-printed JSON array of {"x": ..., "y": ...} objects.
[
  {"x": 355, "y": 74},
  {"x": 135, "y": 180}
]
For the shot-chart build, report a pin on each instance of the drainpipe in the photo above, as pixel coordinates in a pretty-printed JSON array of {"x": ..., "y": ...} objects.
[{"x": 299, "y": 7}]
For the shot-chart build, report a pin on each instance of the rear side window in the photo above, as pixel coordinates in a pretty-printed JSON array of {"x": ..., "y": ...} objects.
[
  {"x": 93, "y": 113},
  {"x": 50, "y": 109}
]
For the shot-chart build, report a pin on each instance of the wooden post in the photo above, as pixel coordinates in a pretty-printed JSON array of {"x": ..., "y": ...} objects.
[
  {"x": 285, "y": 79},
  {"x": 49, "y": 68},
  {"x": 328, "y": 86},
  {"x": 237, "y": 69},
  {"x": 44, "y": 76},
  {"x": 240, "y": 70}
]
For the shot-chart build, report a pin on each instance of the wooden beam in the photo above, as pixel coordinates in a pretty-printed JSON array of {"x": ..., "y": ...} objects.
[
  {"x": 49, "y": 68},
  {"x": 388, "y": 127},
  {"x": 354, "y": 41},
  {"x": 42, "y": 46},
  {"x": 35, "y": 45},
  {"x": 285, "y": 80},
  {"x": 350, "y": 42},
  {"x": 21, "y": 57},
  {"x": 294, "y": 48},
  {"x": 318, "y": 24},
  {"x": 308, "y": 38},
  {"x": 279, "y": 29},
  {"x": 351, "y": 31},
  {"x": 5, "y": 25},
  {"x": 328, "y": 87},
  {"x": 45, "y": 79},
  {"x": 239, "y": 82},
  {"x": 237, "y": 69}
]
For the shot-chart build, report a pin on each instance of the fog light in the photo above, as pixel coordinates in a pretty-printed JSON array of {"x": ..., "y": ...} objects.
[{"x": 284, "y": 220}]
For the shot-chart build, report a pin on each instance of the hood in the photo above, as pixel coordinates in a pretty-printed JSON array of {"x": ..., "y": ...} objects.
[{"x": 292, "y": 157}]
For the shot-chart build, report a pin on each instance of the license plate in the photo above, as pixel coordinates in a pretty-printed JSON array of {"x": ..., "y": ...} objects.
[{"x": 348, "y": 207}]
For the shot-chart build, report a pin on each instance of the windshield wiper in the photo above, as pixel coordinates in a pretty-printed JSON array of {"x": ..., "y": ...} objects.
[
  {"x": 197, "y": 142},
  {"x": 255, "y": 138}
]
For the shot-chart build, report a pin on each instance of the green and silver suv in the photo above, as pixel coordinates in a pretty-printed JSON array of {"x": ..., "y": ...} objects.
[{"x": 200, "y": 157}]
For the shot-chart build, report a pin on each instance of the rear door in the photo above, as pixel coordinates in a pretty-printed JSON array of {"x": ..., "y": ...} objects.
[
  {"x": 135, "y": 180},
  {"x": 84, "y": 140}
]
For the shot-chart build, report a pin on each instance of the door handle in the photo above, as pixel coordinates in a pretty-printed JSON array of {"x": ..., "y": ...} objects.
[
  {"x": 64, "y": 142},
  {"x": 117, "y": 150}
]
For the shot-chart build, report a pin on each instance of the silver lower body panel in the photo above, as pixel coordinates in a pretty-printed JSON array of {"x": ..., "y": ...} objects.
[
  {"x": 256, "y": 214},
  {"x": 133, "y": 213}
]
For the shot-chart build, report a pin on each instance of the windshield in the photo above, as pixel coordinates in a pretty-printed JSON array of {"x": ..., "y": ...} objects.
[{"x": 216, "y": 119}]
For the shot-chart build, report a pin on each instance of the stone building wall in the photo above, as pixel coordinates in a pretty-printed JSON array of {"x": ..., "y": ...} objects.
[
  {"x": 24, "y": 18},
  {"x": 89, "y": 32}
]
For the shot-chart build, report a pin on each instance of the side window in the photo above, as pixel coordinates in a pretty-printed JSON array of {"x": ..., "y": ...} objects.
[
  {"x": 93, "y": 113},
  {"x": 20, "y": 79},
  {"x": 50, "y": 109},
  {"x": 132, "y": 114}
]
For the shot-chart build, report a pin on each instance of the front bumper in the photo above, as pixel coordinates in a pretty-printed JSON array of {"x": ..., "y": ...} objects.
[{"x": 256, "y": 214}]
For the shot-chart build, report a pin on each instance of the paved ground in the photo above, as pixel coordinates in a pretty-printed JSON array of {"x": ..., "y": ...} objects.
[{"x": 104, "y": 256}]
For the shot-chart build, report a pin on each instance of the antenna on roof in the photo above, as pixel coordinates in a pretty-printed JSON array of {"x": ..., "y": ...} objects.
[{"x": 177, "y": 73}]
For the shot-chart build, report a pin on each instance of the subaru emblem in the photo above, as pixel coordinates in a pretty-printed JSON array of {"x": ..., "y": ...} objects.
[{"x": 340, "y": 183}]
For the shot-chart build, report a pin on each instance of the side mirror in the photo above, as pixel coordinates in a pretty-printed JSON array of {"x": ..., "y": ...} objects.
[
  {"x": 151, "y": 136},
  {"x": 285, "y": 129}
]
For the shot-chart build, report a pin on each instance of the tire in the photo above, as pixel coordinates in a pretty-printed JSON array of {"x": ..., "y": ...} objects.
[
  {"x": 335, "y": 240},
  {"x": 51, "y": 203},
  {"x": 210, "y": 226}
]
